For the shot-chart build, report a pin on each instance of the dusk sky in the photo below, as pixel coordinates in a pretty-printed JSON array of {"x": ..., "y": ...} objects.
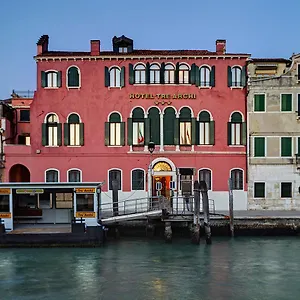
[{"x": 263, "y": 28}]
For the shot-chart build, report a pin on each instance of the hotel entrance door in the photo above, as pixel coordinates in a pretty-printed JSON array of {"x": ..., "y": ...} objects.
[{"x": 161, "y": 186}]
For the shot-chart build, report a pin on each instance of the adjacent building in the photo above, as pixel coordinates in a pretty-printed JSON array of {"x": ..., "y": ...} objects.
[{"x": 274, "y": 133}]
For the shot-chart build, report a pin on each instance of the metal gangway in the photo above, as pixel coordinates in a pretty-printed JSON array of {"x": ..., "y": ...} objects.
[{"x": 141, "y": 208}]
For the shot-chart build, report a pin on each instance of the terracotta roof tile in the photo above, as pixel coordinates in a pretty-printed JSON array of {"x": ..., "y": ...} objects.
[{"x": 269, "y": 60}]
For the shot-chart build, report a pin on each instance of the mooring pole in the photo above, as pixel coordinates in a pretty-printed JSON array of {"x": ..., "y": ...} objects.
[
  {"x": 115, "y": 197},
  {"x": 195, "y": 230},
  {"x": 231, "y": 225},
  {"x": 204, "y": 193}
]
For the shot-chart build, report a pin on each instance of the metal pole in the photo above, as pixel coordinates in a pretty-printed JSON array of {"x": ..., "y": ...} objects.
[
  {"x": 231, "y": 225},
  {"x": 203, "y": 189}
]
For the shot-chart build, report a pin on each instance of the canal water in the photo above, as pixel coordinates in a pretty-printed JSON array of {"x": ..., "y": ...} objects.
[{"x": 243, "y": 268}]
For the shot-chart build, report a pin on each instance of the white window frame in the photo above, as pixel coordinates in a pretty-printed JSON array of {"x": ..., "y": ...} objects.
[
  {"x": 154, "y": 73},
  {"x": 211, "y": 177},
  {"x": 243, "y": 176},
  {"x": 139, "y": 73},
  {"x": 131, "y": 177},
  {"x": 52, "y": 131},
  {"x": 52, "y": 169},
  {"x": 291, "y": 189},
  {"x": 184, "y": 74},
  {"x": 265, "y": 103},
  {"x": 114, "y": 77},
  {"x": 169, "y": 74},
  {"x": 206, "y": 72},
  {"x": 265, "y": 146},
  {"x": 185, "y": 132},
  {"x": 234, "y": 75},
  {"x": 264, "y": 189},
  {"x": 74, "y": 169},
  {"x": 115, "y": 169},
  {"x": 74, "y": 131},
  {"x": 79, "y": 76},
  {"x": 290, "y": 111},
  {"x": 136, "y": 127},
  {"x": 52, "y": 76},
  {"x": 292, "y": 146}
]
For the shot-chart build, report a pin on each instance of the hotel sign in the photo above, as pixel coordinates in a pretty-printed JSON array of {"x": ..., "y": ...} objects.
[
  {"x": 4, "y": 191},
  {"x": 5, "y": 215},
  {"x": 85, "y": 214},
  {"x": 30, "y": 191},
  {"x": 162, "y": 96},
  {"x": 85, "y": 190}
]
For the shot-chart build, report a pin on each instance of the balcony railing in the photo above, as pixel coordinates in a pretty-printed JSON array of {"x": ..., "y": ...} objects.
[{"x": 22, "y": 94}]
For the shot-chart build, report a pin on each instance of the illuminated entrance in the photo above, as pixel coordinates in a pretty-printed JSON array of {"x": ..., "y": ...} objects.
[{"x": 161, "y": 179}]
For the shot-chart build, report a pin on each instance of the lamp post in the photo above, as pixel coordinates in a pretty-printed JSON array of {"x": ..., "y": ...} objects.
[{"x": 151, "y": 148}]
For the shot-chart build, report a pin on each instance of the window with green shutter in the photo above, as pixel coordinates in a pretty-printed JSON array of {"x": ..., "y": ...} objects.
[
  {"x": 259, "y": 102},
  {"x": 73, "y": 77},
  {"x": 286, "y": 102},
  {"x": 286, "y": 190},
  {"x": 115, "y": 131},
  {"x": 259, "y": 146},
  {"x": 169, "y": 126},
  {"x": 154, "y": 117},
  {"x": 259, "y": 190},
  {"x": 286, "y": 146}
]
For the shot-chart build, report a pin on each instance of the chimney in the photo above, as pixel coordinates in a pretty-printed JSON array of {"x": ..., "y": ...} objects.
[
  {"x": 221, "y": 46},
  {"x": 95, "y": 47},
  {"x": 42, "y": 44}
]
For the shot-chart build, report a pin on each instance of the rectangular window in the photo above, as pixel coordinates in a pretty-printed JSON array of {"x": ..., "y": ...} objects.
[
  {"x": 52, "y": 136},
  {"x": 74, "y": 135},
  {"x": 25, "y": 115},
  {"x": 286, "y": 102},
  {"x": 64, "y": 200},
  {"x": 4, "y": 203},
  {"x": 286, "y": 190},
  {"x": 204, "y": 133},
  {"x": 114, "y": 175},
  {"x": 122, "y": 49},
  {"x": 259, "y": 102},
  {"x": 185, "y": 133},
  {"x": 259, "y": 190},
  {"x": 259, "y": 146},
  {"x": 286, "y": 146},
  {"x": 85, "y": 202},
  {"x": 138, "y": 180},
  {"x": 298, "y": 72},
  {"x": 138, "y": 137},
  {"x": 115, "y": 134},
  {"x": 52, "y": 79},
  {"x": 45, "y": 200},
  {"x": 236, "y": 134}
]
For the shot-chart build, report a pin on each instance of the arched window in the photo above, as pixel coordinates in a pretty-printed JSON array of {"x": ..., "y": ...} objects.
[
  {"x": 204, "y": 76},
  {"x": 169, "y": 74},
  {"x": 114, "y": 176},
  {"x": 52, "y": 175},
  {"x": 51, "y": 131},
  {"x": 237, "y": 179},
  {"x": 154, "y": 73},
  {"x": 140, "y": 74},
  {"x": 138, "y": 180},
  {"x": 205, "y": 175},
  {"x": 169, "y": 126},
  {"x": 73, "y": 134},
  {"x": 51, "y": 79},
  {"x": 114, "y": 77},
  {"x": 154, "y": 118},
  {"x": 138, "y": 127},
  {"x": 183, "y": 74},
  {"x": 73, "y": 77},
  {"x": 185, "y": 126},
  {"x": 236, "y": 130},
  {"x": 114, "y": 131},
  {"x": 74, "y": 175},
  {"x": 206, "y": 129},
  {"x": 236, "y": 73}
]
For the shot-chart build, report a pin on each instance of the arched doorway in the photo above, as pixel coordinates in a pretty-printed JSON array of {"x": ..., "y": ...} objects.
[
  {"x": 19, "y": 173},
  {"x": 162, "y": 177}
]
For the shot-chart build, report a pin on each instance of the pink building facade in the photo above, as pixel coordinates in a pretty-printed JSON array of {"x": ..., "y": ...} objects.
[{"x": 94, "y": 114}]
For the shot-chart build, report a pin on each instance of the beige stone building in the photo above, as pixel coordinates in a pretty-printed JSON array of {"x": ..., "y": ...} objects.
[{"x": 273, "y": 105}]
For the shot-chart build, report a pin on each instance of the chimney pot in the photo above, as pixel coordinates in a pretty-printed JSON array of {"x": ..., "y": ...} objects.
[{"x": 221, "y": 46}]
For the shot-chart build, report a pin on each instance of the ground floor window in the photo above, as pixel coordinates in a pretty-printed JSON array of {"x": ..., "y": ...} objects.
[
  {"x": 4, "y": 203},
  {"x": 114, "y": 175},
  {"x": 205, "y": 175},
  {"x": 85, "y": 202},
  {"x": 237, "y": 179},
  {"x": 286, "y": 190},
  {"x": 64, "y": 200},
  {"x": 259, "y": 190},
  {"x": 138, "y": 180}
]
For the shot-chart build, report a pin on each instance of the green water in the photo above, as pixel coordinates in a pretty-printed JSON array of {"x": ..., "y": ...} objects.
[{"x": 243, "y": 268}]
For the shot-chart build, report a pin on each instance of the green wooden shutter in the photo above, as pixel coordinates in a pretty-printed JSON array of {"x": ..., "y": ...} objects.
[
  {"x": 286, "y": 102},
  {"x": 286, "y": 146},
  {"x": 194, "y": 131},
  {"x": 131, "y": 74},
  {"x": 197, "y": 76},
  {"x": 212, "y": 76},
  {"x": 212, "y": 132},
  {"x": 66, "y": 134},
  {"x": 147, "y": 75},
  {"x": 106, "y": 77},
  {"x": 106, "y": 133},
  {"x": 147, "y": 130},
  {"x": 44, "y": 134},
  {"x": 259, "y": 102},
  {"x": 244, "y": 133},
  {"x": 229, "y": 133},
  {"x": 59, "y": 74},
  {"x": 43, "y": 79},
  {"x": 162, "y": 73},
  {"x": 176, "y": 131},
  {"x": 122, "y": 128},
  {"x": 81, "y": 133},
  {"x": 244, "y": 76},
  {"x": 122, "y": 81},
  {"x": 59, "y": 134},
  {"x": 259, "y": 146},
  {"x": 193, "y": 74},
  {"x": 197, "y": 133},
  {"x": 176, "y": 75},
  {"x": 129, "y": 131},
  {"x": 229, "y": 77}
]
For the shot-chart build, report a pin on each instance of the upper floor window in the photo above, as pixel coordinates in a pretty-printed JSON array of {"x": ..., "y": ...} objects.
[
  {"x": 237, "y": 179},
  {"x": 170, "y": 125},
  {"x": 205, "y": 175},
  {"x": 286, "y": 102},
  {"x": 298, "y": 75},
  {"x": 114, "y": 178},
  {"x": 137, "y": 180},
  {"x": 25, "y": 115},
  {"x": 206, "y": 129},
  {"x": 183, "y": 74},
  {"x": 140, "y": 74},
  {"x": 286, "y": 144},
  {"x": 114, "y": 77},
  {"x": 185, "y": 129},
  {"x": 236, "y": 130},
  {"x": 51, "y": 79},
  {"x": 169, "y": 74},
  {"x": 154, "y": 73},
  {"x": 74, "y": 175},
  {"x": 73, "y": 131},
  {"x": 123, "y": 49},
  {"x": 73, "y": 77},
  {"x": 236, "y": 76},
  {"x": 259, "y": 146},
  {"x": 52, "y": 175},
  {"x": 138, "y": 127},
  {"x": 51, "y": 131},
  {"x": 259, "y": 102},
  {"x": 115, "y": 131},
  {"x": 204, "y": 76}
]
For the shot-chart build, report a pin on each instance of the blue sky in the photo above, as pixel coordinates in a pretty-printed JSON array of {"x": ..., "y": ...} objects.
[{"x": 264, "y": 28}]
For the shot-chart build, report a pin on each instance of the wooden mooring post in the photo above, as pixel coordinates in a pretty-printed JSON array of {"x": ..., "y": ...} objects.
[
  {"x": 231, "y": 225},
  {"x": 205, "y": 203},
  {"x": 195, "y": 229}
]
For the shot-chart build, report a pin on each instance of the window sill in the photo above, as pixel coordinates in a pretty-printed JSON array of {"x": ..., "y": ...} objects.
[
  {"x": 263, "y": 111},
  {"x": 236, "y": 87},
  {"x": 24, "y": 121},
  {"x": 116, "y": 146},
  {"x": 73, "y": 87},
  {"x": 51, "y": 87},
  {"x": 114, "y": 87},
  {"x": 161, "y": 84},
  {"x": 74, "y": 146},
  {"x": 237, "y": 146},
  {"x": 205, "y": 87},
  {"x": 48, "y": 146},
  {"x": 205, "y": 145}
]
